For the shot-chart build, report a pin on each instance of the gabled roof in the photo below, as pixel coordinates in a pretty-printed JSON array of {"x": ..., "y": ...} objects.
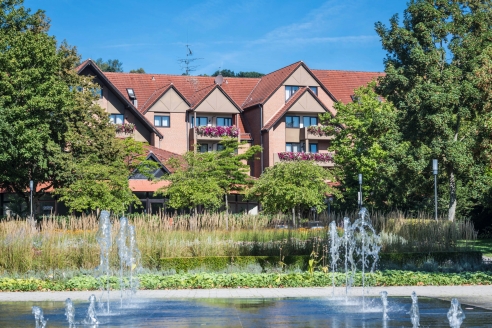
[
  {"x": 118, "y": 93},
  {"x": 163, "y": 156},
  {"x": 343, "y": 83},
  {"x": 157, "y": 94},
  {"x": 223, "y": 92},
  {"x": 292, "y": 100},
  {"x": 193, "y": 89},
  {"x": 268, "y": 84}
]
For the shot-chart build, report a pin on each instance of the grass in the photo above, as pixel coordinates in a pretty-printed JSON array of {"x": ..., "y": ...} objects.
[
  {"x": 482, "y": 245},
  {"x": 62, "y": 244}
]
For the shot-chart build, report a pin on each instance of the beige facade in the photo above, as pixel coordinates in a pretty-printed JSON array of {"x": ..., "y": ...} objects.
[{"x": 301, "y": 77}]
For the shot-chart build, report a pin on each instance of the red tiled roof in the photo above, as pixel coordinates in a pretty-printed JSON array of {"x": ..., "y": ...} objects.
[
  {"x": 292, "y": 100},
  {"x": 163, "y": 156},
  {"x": 343, "y": 83},
  {"x": 268, "y": 84},
  {"x": 150, "y": 87},
  {"x": 78, "y": 68},
  {"x": 146, "y": 185}
]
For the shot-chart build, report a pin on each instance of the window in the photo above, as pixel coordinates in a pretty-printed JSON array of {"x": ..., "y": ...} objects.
[
  {"x": 224, "y": 121},
  {"x": 201, "y": 121},
  {"x": 220, "y": 147},
  {"x": 292, "y": 121},
  {"x": 162, "y": 121},
  {"x": 313, "y": 148},
  {"x": 309, "y": 120},
  {"x": 116, "y": 118},
  {"x": 202, "y": 148},
  {"x": 289, "y": 91},
  {"x": 294, "y": 147},
  {"x": 314, "y": 90}
]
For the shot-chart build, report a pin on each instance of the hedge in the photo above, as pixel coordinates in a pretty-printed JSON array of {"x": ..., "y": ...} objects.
[{"x": 398, "y": 260}]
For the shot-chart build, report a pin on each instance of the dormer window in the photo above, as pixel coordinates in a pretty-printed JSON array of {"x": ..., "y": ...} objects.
[
  {"x": 132, "y": 96},
  {"x": 290, "y": 90}
]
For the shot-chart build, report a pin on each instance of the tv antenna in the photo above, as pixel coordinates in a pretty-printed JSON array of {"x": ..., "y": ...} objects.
[{"x": 186, "y": 63}]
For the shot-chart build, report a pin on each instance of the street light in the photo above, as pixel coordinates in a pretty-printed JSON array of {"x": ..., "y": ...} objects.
[
  {"x": 360, "y": 191},
  {"x": 31, "y": 186},
  {"x": 329, "y": 201},
  {"x": 434, "y": 170}
]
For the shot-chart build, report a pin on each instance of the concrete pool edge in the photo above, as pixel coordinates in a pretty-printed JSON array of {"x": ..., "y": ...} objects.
[{"x": 480, "y": 296}]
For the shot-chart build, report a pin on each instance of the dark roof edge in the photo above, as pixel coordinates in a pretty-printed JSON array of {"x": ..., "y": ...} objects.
[{"x": 139, "y": 115}]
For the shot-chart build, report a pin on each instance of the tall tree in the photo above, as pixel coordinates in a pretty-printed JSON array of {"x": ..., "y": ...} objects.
[
  {"x": 291, "y": 185},
  {"x": 49, "y": 117},
  {"x": 111, "y": 65},
  {"x": 369, "y": 143},
  {"x": 431, "y": 77}
]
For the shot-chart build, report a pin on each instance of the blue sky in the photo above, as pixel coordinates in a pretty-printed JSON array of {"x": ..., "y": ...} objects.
[{"x": 252, "y": 35}]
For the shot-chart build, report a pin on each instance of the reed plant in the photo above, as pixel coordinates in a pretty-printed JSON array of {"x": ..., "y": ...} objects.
[{"x": 69, "y": 243}]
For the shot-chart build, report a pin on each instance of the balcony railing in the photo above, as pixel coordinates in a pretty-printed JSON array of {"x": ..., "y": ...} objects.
[
  {"x": 321, "y": 159},
  {"x": 126, "y": 128},
  {"x": 215, "y": 132}
]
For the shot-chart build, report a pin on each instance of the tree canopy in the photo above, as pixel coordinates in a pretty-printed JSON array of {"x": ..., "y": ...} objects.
[
  {"x": 436, "y": 77},
  {"x": 111, "y": 65},
  {"x": 292, "y": 185},
  {"x": 229, "y": 73},
  {"x": 369, "y": 143},
  {"x": 138, "y": 70},
  {"x": 206, "y": 178}
]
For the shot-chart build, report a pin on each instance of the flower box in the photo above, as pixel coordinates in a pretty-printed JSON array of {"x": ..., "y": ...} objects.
[
  {"x": 125, "y": 128},
  {"x": 294, "y": 156},
  {"x": 217, "y": 131},
  {"x": 320, "y": 130}
]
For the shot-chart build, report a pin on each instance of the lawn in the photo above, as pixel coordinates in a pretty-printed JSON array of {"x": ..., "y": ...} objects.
[{"x": 482, "y": 245}]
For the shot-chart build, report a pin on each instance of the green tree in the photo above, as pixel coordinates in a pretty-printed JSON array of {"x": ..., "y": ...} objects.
[
  {"x": 224, "y": 73},
  {"x": 369, "y": 143},
  {"x": 287, "y": 186},
  {"x": 249, "y": 74},
  {"x": 138, "y": 70},
  {"x": 432, "y": 78},
  {"x": 111, "y": 65},
  {"x": 104, "y": 185},
  {"x": 47, "y": 124},
  {"x": 207, "y": 178}
]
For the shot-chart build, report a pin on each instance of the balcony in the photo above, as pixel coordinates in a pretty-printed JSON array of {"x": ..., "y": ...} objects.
[
  {"x": 321, "y": 159},
  {"x": 213, "y": 133},
  {"x": 315, "y": 132}
]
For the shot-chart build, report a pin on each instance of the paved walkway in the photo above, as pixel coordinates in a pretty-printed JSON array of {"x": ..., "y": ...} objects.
[{"x": 480, "y": 296}]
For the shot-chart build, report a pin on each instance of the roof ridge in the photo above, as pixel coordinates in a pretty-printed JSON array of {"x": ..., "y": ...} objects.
[
  {"x": 342, "y": 70},
  {"x": 297, "y": 62}
]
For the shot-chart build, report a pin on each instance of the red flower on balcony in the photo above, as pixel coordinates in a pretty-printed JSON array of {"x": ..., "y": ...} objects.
[
  {"x": 126, "y": 128},
  {"x": 294, "y": 156},
  {"x": 217, "y": 131}
]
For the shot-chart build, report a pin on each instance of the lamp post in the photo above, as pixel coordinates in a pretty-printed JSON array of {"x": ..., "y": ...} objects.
[
  {"x": 330, "y": 200},
  {"x": 31, "y": 186},
  {"x": 434, "y": 170},
  {"x": 360, "y": 191}
]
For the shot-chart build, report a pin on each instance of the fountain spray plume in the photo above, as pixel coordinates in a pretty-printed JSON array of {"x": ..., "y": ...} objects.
[
  {"x": 39, "y": 317},
  {"x": 70, "y": 313},
  {"x": 349, "y": 245},
  {"x": 105, "y": 242},
  {"x": 122, "y": 253},
  {"x": 91, "y": 318},
  {"x": 134, "y": 259},
  {"x": 384, "y": 300},
  {"x": 455, "y": 314},
  {"x": 368, "y": 247},
  {"x": 414, "y": 311},
  {"x": 335, "y": 242}
]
